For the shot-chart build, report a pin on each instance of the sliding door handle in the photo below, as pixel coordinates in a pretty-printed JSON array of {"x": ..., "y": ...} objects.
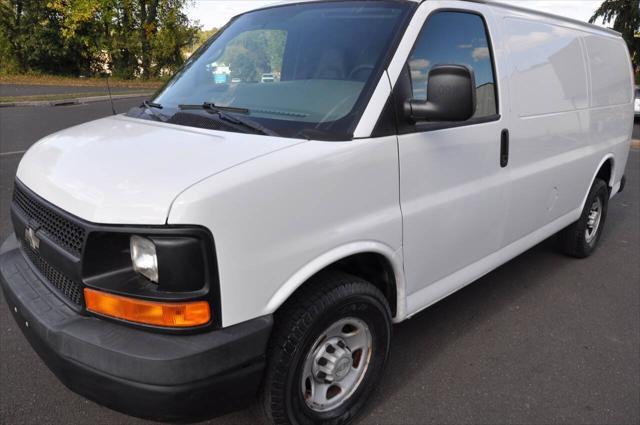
[{"x": 504, "y": 148}]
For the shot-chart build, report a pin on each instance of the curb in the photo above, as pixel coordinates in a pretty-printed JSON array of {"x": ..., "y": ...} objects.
[{"x": 73, "y": 101}]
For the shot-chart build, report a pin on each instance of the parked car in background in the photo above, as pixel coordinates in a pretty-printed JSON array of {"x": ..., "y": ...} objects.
[
  {"x": 268, "y": 78},
  {"x": 232, "y": 241}
]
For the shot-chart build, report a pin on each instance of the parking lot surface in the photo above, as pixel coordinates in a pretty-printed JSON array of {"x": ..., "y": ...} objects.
[{"x": 542, "y": 339}]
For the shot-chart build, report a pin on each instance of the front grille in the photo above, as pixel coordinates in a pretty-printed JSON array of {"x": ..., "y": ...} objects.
[
  {"x": 67, "y": 234},
  {"x": 60, "y": 230},
  {"x": 70, "y": 289}
]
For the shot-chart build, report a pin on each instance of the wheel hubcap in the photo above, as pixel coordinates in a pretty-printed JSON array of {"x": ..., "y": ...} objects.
[
  {"x": 593, "y": 220},
  {"x": 336, "y": 364}
]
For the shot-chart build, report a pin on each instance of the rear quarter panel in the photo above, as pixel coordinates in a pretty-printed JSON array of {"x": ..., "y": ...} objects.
[
  {"x": 612, "y": 97},
  {"x": 571, "y": 109}
]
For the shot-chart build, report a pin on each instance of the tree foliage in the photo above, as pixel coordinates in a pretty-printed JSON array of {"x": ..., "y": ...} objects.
[
  {"x": 625, "y": 15},
  {"x": 253, "y": 53},
  {"x": 204, "y": 36},
  {"x": 128, "y": 37}
]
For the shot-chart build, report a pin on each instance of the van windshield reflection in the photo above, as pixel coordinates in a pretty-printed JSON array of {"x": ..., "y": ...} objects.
[{"x": 294, "y": 67}]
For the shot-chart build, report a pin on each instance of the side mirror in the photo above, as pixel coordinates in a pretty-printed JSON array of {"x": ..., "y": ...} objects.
[{"x": 451, "y": 96}]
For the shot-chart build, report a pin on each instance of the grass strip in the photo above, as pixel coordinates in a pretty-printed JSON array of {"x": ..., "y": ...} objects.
[
  {"x": 63, "y": 96},
  {"x": 54, "y": 80}
]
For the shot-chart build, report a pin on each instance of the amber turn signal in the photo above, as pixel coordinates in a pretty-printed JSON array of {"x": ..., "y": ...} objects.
[{"x": 174, "y": 315}]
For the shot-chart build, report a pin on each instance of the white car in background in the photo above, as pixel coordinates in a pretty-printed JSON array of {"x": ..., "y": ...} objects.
[{"x": 268, "y": 78}]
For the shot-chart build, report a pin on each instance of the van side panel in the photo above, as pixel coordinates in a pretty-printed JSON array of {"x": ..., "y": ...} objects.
[
  {"x": 611, "y": 112},
  {"x": 559, "y": 135},
  {"x": 609, "y": 66},
  {"x": 549, "y": 74},
  {"x": 549, "y": 115},
  {"x": 562, "y": 112}
]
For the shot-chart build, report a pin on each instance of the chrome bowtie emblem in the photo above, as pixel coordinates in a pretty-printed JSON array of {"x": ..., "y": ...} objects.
[{"x": 31, "y": 238}]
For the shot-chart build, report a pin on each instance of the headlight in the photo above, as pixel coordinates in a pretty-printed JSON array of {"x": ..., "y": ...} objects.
[
  {"x": 144, "y": 258},
  {"x": 167, "y": 272}
]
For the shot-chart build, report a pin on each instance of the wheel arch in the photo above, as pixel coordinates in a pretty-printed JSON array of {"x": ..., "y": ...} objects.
[
  {"x": 606, "y": 171},
  {"x": 369, "y": 260}
]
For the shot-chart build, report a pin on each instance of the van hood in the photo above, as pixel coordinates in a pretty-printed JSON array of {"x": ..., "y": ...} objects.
[{"x": 121, "y": 170}]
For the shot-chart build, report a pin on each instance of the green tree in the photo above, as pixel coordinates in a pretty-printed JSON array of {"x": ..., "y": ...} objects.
[
  {"x": 131, "y": 37},
  {"x": 30, "y": 33},
  {"x": 204, "y": 35},
  {"x": 625, "y": 15},
  {"x": 119, "y": 38},
  {"x": 173, "y": 34},
  {"x": 201, "y": 37},
  {"x": 253, "y": 53},
  {"x": 8, "y": 61}
]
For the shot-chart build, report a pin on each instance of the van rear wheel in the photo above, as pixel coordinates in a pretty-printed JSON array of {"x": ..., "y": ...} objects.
[
  {"x": 327, "y": 352},
  {"x": 581, "y": 238}
]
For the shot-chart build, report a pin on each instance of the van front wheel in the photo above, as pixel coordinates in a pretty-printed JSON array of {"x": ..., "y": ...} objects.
[
  {"x": 328, "y": 351},
  {"x": 580, "y": 239}
]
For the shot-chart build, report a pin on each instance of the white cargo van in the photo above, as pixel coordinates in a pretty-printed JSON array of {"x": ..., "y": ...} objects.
[{"x": 228, "y": 241}]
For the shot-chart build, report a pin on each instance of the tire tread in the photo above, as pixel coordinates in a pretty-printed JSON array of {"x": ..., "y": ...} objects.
[
  {"x": 572, "y": 240},
  {"x": 291, "y": 324}
]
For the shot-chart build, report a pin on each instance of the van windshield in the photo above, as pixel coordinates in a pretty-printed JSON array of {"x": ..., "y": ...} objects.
[{"x": 303, "y": 70}]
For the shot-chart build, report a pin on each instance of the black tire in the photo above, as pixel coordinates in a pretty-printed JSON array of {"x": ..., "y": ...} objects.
[
  {"x": 573, "y": 239},
  {"x": 326, "y": 298}
]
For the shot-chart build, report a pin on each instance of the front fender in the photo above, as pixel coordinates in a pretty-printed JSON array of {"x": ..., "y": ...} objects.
[
  {"x": 280, "y": 218},
  {"x": 330, "y": 257}
]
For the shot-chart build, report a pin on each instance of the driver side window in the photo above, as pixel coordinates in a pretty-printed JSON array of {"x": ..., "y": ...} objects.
[{"x": 458, "y": 38}]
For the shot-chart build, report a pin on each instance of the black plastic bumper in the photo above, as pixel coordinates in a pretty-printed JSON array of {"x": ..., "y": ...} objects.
[{"x": 151, "y": 375}]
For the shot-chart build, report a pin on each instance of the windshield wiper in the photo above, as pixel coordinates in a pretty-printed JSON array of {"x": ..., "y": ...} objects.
[
  {"x": 221, "y": 111},
  {"x": 210, "y": 106},
  {"x": 151, "y": 107}
]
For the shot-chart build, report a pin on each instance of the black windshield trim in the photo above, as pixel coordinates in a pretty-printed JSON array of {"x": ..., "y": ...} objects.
[{"x": 224, "y": 113}]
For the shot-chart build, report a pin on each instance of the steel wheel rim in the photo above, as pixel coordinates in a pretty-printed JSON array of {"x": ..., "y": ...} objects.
[
  {"x": 593, "y": 220},
  {"x": 336, "y": 364}
]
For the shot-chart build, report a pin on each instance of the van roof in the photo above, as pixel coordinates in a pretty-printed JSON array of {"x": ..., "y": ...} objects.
[
  {"x": 494, "y": 4},
  {"x": 545, "y": 14}
]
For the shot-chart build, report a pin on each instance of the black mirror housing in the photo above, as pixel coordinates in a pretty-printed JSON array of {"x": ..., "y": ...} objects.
[{"x": 451, "y": 96}]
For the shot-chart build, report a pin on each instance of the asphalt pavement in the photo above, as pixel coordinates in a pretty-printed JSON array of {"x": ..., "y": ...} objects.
[{"x": 543, "y": 339}]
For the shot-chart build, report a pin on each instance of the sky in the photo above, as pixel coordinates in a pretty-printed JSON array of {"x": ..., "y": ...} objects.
[{"x": 215, "y": 13}]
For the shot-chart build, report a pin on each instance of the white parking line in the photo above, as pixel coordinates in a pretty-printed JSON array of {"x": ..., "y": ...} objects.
[{"x": 11, "y": 153}]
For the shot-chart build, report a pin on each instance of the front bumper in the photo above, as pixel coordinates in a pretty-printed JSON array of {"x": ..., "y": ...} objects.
[{"x": 151, "y": 375}]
